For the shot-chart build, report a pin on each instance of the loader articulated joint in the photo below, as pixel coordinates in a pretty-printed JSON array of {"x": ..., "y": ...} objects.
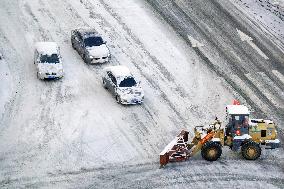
[{"x": 237, "y": 144}]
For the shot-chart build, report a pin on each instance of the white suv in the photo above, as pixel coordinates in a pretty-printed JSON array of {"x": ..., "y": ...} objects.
[
  {"x": 122, "y": 84},
  {"x": 48, "y": 61}
]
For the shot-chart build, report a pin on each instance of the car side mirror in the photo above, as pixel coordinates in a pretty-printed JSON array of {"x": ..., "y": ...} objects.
[{"x": 104, "y": 42}]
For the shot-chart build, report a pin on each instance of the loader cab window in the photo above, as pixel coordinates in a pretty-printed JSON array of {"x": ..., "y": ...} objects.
[
  {"x": 238, "y": 122},
  {"x": 263, "y": 133}
]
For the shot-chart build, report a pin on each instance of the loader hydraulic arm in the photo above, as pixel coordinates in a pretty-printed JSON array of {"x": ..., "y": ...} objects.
[{"x": 196, "y": 148}]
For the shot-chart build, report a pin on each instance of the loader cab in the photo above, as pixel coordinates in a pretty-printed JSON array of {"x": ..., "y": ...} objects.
[{"x": 237, "y": 120}]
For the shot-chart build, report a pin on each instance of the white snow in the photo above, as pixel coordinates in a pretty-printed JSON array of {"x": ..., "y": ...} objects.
[
  {"x": 71, "y": 133},
  {"x": 47, "y": 48},
  {"x": 216, "y": 139},
  {"x": 99, "y": 51},
  {"x": 248, "y": 39},
  {"x": 243, "y": 137},
  {"x": 194, "y": 42},
  {"x": 170, "y": 146},
  {"x": 237, "y": 109},
  {"x": 268, "y": 15},
  {"x": 119, "y": 71},
  {"x": 276, "y": 141}
]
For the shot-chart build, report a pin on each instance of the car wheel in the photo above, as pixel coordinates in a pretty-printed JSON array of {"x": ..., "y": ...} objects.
[
  {"x": 85, "y": 59},
  {"x": 104, "y": 84},
  {"x": 118, "y": 100},
  {"x": 73, "y": 44}
]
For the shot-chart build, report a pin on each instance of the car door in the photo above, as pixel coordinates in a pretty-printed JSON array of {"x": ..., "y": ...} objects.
[
  {"x": 112, "y": 83},
  {"x": 37, "y": 60},
  {"x": 108, "y": 80},
  {"x": 81, "y": 44},
  {"x": 75, "y": 38}
]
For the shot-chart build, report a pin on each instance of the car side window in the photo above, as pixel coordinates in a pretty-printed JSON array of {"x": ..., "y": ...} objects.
[
  {"x": 113, "y": 79},
  {"x": 80, "y": 36},
  {"x": 36, "y": 57}
]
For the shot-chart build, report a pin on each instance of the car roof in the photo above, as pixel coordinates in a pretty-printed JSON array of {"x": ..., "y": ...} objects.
[
  {"x": 119, "y": 71},
  {"x": 48, "y": 48},
  {"x": 88, "y": 32},
  {"x": 237, "y": 110}
]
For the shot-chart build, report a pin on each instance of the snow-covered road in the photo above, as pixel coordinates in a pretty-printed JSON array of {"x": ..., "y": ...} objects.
[{"x": 72, "y": 134}]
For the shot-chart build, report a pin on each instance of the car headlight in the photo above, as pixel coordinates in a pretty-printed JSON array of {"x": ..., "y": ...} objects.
[{"x": 91, "y": 57}]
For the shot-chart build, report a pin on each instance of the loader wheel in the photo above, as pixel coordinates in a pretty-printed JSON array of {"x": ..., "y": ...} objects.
[
  {"x": 211, "y": 151},
  {"x": 251, "y": 150}
]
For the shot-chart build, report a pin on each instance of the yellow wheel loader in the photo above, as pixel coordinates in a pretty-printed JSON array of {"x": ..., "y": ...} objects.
[{"x": 240, "y": 132}]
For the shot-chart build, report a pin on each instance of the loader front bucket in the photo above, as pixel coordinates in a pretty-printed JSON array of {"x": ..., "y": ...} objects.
[{"x": 176, "y": 150}]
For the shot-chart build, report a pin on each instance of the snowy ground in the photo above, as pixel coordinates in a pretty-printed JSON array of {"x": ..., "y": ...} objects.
[{"x": 72, "y": 134}]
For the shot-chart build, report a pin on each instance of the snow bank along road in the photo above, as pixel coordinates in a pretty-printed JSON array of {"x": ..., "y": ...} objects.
[{"x": 193, "y": 58}]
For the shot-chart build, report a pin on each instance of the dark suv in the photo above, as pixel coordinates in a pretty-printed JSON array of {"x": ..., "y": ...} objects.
[{"x": 90, "y": 46}]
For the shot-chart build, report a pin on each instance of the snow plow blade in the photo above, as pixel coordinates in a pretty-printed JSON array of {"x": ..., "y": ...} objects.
[{"x": 176, "y": 150}]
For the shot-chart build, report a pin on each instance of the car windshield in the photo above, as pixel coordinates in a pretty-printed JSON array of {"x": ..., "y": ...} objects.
[
  {"x": 49, "y": 58},
  {"x": 127, "y": 82},
  {"x": 93, "y": 41}
]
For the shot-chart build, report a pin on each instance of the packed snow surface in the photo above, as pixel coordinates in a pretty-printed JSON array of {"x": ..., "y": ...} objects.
[
  {"x": 47, "y": 48},
  {"x": 71, "y": 133}
]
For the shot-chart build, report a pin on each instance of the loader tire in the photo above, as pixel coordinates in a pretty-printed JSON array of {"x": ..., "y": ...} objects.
[
  {"x": 251, "y": 150},
  {"x": 211, "y": 151}
]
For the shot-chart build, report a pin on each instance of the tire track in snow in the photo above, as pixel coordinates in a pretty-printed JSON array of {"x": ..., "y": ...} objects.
[
  {"x": 230, "y": 59},
  {"x": 154, "y": 85},
  {"x": 97, "y": 69},
  {"x": 237, "y": 67},
  {"x": 129, "y": 176},
  {"x": 11, "y": 108},
  {"x": 137, "y": 65},
  {"x": 181, "y": 27},
  {"x": 256, "y": 63}
]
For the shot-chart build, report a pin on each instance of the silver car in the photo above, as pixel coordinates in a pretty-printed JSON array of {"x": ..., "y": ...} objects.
[
  {"x": 122, "y": 84},
  {"x": 90, "y": 46}
]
